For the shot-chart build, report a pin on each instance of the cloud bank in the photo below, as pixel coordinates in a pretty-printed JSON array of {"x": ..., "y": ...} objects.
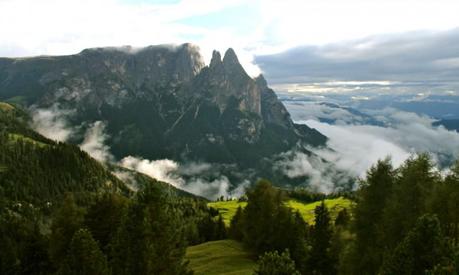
[
  {"x": 189, "y": 177},
  {"x": 94, "y": 142},
  {"x": 420, "y": 57},
  {"x": 52, "y": 122},
  {"x": 355, "y": 146}
]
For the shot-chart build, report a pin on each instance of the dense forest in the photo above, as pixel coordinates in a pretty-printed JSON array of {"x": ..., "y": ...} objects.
[
  {"x": 404, "y": 221},
  {"x": 62, "y": 212}
]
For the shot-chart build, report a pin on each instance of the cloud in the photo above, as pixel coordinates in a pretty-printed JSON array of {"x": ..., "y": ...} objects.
[
  {"x": 52, "y": 122},
  {"x": 94, "y": 142},
  {"x": 190, "y": 177},
  {"x": 420, "y": 57},
  {"x": 322, "y": 176},
  {"x": 354, "y": 145},
  {"x": 355, "y": 148},
  {"x": 250, "y": 27}
]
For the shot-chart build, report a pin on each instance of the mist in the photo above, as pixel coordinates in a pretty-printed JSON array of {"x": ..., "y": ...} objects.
[
  {"x": 52, "y": 122},
  {"x": 188, "y": 176}
]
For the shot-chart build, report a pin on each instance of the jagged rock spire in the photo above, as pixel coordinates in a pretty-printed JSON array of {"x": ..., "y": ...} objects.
[
  {"x": 230, "y": 57},
  {"x": 261, "y": 81},
  {"x": 216, "y": 59}
]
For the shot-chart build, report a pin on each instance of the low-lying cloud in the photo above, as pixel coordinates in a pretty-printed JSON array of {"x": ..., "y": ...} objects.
[
  {"x": 188, "y": 177},
  {"x": 356, "y": 147},
  {"x": 52, "y": 122},
  {"x": 94, "y": 142}
]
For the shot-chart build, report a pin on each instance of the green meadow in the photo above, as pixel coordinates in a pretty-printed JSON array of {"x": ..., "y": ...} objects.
[
  {"x": 226, "y": 257},
  {"x": 228, "y": 208}
]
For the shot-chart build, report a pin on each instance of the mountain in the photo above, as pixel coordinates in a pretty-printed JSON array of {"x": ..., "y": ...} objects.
[
  {"x": 37, "y": 170},
  {"x": 161, "y": 102}
]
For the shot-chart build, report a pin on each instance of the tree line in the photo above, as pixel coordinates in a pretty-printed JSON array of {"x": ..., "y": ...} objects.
[{"x": 404, "y": 221}]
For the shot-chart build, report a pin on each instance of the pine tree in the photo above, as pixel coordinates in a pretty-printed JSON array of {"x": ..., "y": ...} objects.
[
  {"x": 413, "y": 187},
  {"x": 263, "y": 204},
  {"x": 66, "y": 221},
  {"x": 84, "y": 256},
  {"x": 271, "y": 263},
  {"x": 221, "y": 232},
  {"x": 368, "y": 225},
  {"x": 236, "y": 227},
  {"x": 320, "y": 260},
  {"x": 151, "y": 238},
  {"x": 421, "y": 250},
  {"x": 104, "y": 217}
]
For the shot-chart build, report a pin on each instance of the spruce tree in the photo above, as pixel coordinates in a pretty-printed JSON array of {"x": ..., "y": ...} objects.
[
  {"x": 368, "y": 224},
  {"x": 236, "y": 227},
  {"x": 273, "y": 263},
  {"x": 151, "y": 238},
  {"x": 84, "y": 256},
  {"x": 421, "y": 250},
  {"x": 320, "y": 260},
  {"x": 66, "y": 221},
  {"x": 412, "y": 188}
]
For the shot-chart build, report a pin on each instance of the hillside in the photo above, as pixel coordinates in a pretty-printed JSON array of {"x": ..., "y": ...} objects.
[
  {"x": 38, "y": 170},
  {"x": 228, "y": 208},
  {"x": 226, "y": 257}
]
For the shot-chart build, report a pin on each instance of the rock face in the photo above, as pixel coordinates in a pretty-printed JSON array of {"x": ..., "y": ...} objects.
[{"x": 162, "y": 102}]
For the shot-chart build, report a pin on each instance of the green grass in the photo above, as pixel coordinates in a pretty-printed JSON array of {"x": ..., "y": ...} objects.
[
  {"x": 6, "y": 107},
  {"x": 228, "y": 208},
  {"x": 226, "y": 257},
  {"x": 3, "y": 168},
  {"x": 307, "y": 209},
  {"x": 16, "y": 137},
  {"x": 19, "y": 100}
]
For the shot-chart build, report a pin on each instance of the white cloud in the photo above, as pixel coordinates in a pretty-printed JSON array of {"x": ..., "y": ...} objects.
[
  {"x": 52, "y": 122},
  {"x": 174, "y": 173},
  {"x": 68, "y": 26},
  {"x": 356, "y": 148},
  {"x": 322, "y": 176},
  {"x": 94, "y": 142}
]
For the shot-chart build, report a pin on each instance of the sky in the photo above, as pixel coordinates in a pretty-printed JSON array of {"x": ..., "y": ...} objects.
[
  {"x": 360, "y": 47},
  {"x": 290, "y": 41}
]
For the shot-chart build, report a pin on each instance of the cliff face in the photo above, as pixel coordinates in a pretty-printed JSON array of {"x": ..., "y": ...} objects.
[{"x": 162, "y": 102}]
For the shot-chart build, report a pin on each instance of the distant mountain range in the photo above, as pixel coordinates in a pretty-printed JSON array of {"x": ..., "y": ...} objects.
[{"x": 162, "y": 102}]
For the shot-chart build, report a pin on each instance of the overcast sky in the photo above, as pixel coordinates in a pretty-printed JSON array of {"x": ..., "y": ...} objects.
[{"x": 289, "y": 40}]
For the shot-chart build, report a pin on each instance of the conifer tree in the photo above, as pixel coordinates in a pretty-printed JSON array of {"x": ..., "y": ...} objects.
[
  {"x": 320, "y": 260},
  {"x": 368, "y": 225},
  {"x": 273, "y": 263},
  {"x": 235, "y": 229},
  {"x": 413, "y": 186},
  {"x": 421, "y": 250},
  {"x": 66, "y": 221},
  {"x": 84, "y": 256}
]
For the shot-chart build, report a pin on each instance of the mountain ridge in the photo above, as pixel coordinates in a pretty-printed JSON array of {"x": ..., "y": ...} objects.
[{"x": 162, "y": 102}]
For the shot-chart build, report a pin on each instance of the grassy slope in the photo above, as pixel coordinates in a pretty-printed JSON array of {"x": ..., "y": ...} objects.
[
  {"x": 307, "y": 210},
  {"x": 6, "y": 107},
  {"x": 220, "y": 257},
  {"x": 16, "y": 137},
  {"x": 228, "y": 208}
]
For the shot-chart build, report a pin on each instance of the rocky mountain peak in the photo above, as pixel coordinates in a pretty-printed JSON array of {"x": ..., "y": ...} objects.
[
  {"x": 230, "y": 57},
  {"x": 162, "y": 102},
  {"x": 261, "y": 81},
  {"x": 216, "y": 59}
]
